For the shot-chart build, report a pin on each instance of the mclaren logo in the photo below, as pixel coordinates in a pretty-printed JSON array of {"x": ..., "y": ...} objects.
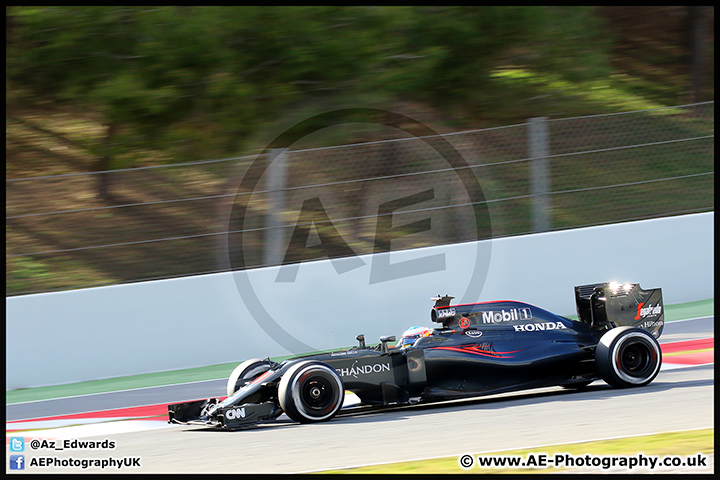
[
  {"x": 356, "y": 370},
  {"x": 235, "y": 413}
]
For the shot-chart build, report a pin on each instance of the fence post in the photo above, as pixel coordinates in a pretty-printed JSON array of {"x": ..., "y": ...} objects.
[
  {"x": 539, "y": 176},
  {"x": 275, "y": 196}
]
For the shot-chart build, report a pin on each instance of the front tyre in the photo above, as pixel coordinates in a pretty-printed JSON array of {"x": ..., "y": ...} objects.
[
  {"x": 311, "y": 391},
  {"x": 628, "y": 357},
  {"x": 245, "y": 373}
]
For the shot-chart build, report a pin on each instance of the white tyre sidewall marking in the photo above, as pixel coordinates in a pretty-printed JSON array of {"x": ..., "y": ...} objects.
[
  {"x": 297, "y": 372},
  {"x": 236, "y": 373},
  {"x": 615, "y": 358}
]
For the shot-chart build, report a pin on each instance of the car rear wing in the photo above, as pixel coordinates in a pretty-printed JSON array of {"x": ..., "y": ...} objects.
[{"x": 607, "y": 305}]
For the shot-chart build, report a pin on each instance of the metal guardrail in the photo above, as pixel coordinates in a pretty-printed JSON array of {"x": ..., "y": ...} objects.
[{"x": 312, "y": 203}]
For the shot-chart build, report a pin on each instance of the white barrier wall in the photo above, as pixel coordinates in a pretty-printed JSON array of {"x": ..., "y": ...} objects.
[{"x": 64, "y": 337}]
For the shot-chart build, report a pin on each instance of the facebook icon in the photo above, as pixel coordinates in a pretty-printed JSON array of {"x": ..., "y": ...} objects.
[{"x": 17, "y": 462}]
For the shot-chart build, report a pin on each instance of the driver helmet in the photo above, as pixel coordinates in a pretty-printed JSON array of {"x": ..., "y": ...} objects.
[{"x": 412, "y": 334}]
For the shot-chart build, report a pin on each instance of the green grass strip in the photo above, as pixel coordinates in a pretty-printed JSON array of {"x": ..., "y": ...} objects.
[
  {"x": 211, "y": 372},
  {"x": 681, "y": 311},
  {"x": 672, "y": 312},
  {"x": 683, "y": 443}
]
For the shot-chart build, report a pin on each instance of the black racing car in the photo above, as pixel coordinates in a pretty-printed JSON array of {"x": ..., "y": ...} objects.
[{"x": 480, "y": 349}]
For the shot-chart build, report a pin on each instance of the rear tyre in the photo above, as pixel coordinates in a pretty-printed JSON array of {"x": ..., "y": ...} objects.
[
  {"x": 628, "y": 357},
  {"x": 310, "y": 392},
  {"x": 245, "y": 373}
]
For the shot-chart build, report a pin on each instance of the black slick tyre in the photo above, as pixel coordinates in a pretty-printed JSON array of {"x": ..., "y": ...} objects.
[
  {"x": 311, "y": 391},
  {"x": 245, "y": 373},
  {"x": 628, "y": 357}
]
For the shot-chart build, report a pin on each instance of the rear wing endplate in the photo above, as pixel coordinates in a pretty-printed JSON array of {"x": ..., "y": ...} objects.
[{"x": 607, "y": 305}]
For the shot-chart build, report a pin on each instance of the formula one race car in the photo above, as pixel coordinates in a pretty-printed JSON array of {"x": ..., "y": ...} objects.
[{"x": 480, "y": 349}]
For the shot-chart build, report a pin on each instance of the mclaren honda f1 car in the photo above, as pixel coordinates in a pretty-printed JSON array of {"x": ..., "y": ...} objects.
[{"x": 478, "y": 349}]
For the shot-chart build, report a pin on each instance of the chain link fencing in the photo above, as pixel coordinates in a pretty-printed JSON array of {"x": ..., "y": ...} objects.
[{"x": 301, "y": 204}]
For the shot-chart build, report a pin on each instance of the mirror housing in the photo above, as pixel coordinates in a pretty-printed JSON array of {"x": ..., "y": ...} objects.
[{"x": 384, "y": 341}]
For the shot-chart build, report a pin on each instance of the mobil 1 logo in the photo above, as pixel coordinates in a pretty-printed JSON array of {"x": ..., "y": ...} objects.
[{"x": 507, "y": 315}]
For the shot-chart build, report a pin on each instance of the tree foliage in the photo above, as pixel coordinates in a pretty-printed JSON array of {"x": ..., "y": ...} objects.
[{"x": 198, "y": 81}]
